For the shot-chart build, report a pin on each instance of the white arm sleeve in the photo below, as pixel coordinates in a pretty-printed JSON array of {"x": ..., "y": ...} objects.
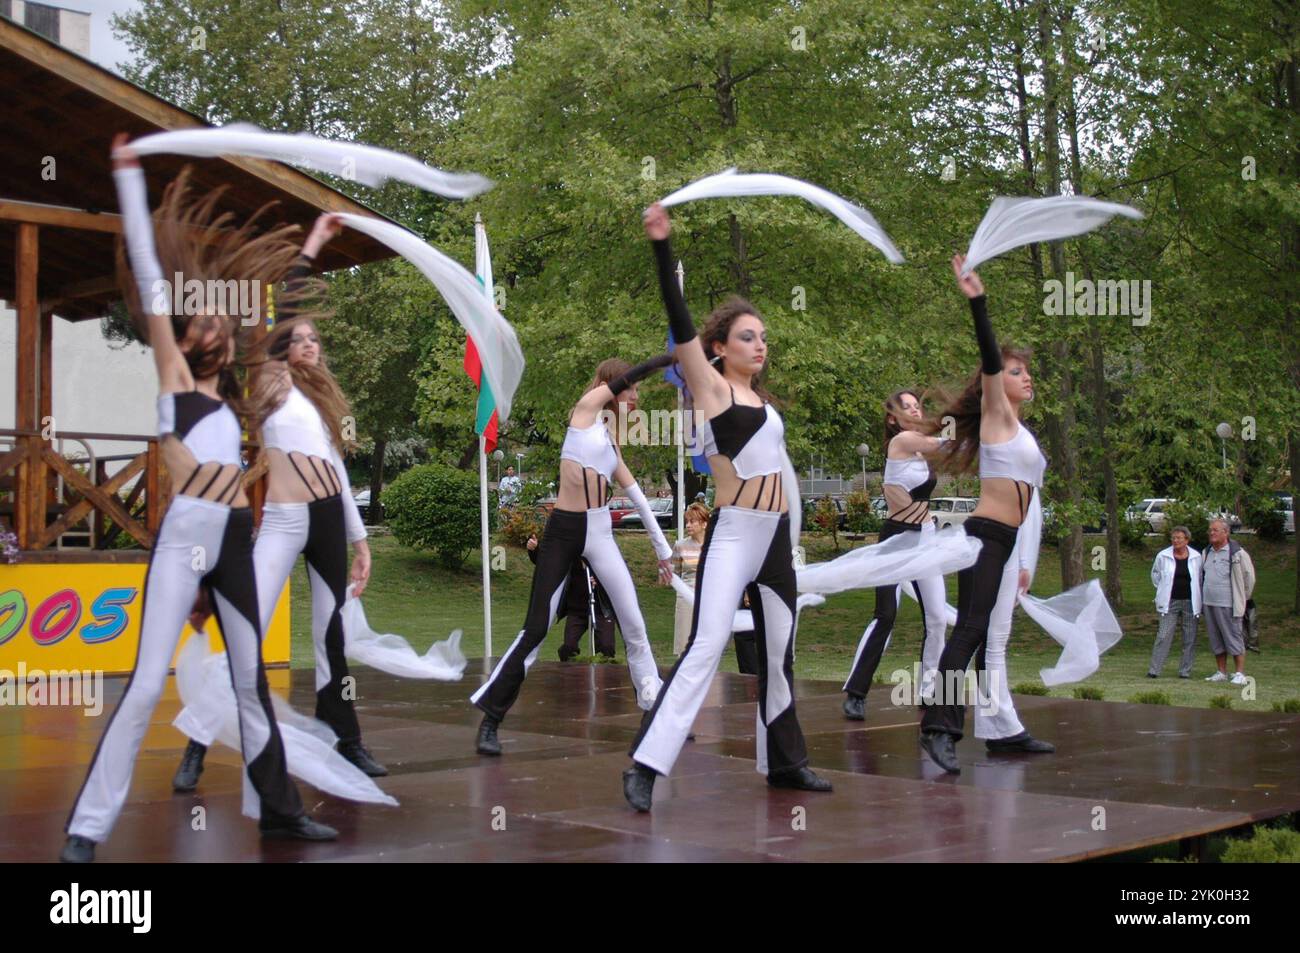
[
  {"x": 137, "y": 228},
  {"x": 1031, "y": 535},
  {"x": 356, "y": 530},
  {"x": 662, "y": 549}
]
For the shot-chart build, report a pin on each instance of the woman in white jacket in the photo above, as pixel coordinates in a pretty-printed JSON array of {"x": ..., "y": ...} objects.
[{"x": 1176, "y": 575}]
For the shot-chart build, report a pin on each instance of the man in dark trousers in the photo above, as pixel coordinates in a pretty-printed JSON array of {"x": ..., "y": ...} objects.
[{"x": 585, "y": 604}]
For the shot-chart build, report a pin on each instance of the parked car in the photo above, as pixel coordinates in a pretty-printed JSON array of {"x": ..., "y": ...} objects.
[
  {"x": 363, "y": 504},
  {"x": 661, "y": 507},
  {"x": 948, "y": 511},
  {"x": 1286, "y": 508},
  {"x": 880, "y": 506},
  {"x": 1151, "y": 511},
  {"x": 620, "y": 507},
  {"x": 810, "y": 511}
]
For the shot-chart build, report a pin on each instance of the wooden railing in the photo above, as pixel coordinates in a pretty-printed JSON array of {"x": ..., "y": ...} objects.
[{"x": 29, "y": 476}]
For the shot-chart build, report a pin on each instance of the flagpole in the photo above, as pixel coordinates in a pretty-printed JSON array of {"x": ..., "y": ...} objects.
[
  {"x": 482, "y": 269},
  {"x": 483, "y": 530},
  {"x": 681, "y": 443}
]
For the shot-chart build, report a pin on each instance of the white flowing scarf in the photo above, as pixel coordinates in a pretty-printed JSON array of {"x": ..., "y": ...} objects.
[
  {"x": 210, "y": 714},
  {"x": 353, "y": 161},
  {"x": 731, "y": 184},
  {"x": 390, "y": 653},
  {"x": 1012, "y": 222},
  {"x": 498, "y": 347},
  {"x": 743, "y": 621}
]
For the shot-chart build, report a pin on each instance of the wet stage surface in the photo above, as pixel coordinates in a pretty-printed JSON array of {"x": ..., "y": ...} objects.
[{"x": 1124, "y": 776}]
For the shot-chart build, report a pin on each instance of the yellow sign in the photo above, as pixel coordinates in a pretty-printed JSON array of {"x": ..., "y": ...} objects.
[{"x": 87, "y": 616}]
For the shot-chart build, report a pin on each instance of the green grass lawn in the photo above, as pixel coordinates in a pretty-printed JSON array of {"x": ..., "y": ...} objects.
[{"x": 411, "y": 595}]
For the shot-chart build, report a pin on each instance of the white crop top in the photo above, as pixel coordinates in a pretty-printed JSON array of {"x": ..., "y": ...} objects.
[
  {"x": 750, "y": 437},
  {"x": 206, "y": 426},
  {"x": 296, "y": 426},
  {"x": 910, "y": 474},
  {"x": 1016, "y": 459},
  {"x": 590, "y": 447}
]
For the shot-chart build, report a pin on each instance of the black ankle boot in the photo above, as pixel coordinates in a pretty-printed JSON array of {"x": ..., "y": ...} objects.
[
  {"x": 301, "y": 827},
  {"x": 639, "y": 786},
  {"x": 357, "y": 753},
  {"x": 187, "y": 775},
  {"x": 77, "y": 850},
  {"x": 487, "y": 736},
  {"x": 800, "y": 779},
  {"x": 941, "y": 748},
  {"x": 855, "y": 707},
  {"x": 1022, "y": 742}
]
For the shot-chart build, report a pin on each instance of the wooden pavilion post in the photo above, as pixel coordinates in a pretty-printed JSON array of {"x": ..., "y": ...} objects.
[{"x": 29, "y": 500}]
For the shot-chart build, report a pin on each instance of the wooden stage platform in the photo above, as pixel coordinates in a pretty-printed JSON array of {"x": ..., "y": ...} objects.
[{"x": 1125, "y": 776}]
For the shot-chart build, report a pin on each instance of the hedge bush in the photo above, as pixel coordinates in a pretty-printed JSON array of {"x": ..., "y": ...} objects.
[
  {"x": 1266, "y": 845},
  {"x": 859, "y": 516},
  {"x": 436, "y": 507}
]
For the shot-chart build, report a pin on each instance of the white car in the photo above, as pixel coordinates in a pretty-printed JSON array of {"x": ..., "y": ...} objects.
[
  {"x": 1151, "y": 511},
  {"x": 951, "y": 510}
]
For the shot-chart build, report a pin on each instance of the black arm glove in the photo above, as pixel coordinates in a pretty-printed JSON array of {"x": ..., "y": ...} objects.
[
  {"x": 990, "y": 353},
  {"x": 634, "y": 374},
  {"x": 679, "y": 319}
]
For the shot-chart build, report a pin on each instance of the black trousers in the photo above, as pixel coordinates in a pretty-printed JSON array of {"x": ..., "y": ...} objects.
[
  {"x": 746, "y": 652},
  {"x": 864, "y": 670},
  {"x": 977, "y": 593}
]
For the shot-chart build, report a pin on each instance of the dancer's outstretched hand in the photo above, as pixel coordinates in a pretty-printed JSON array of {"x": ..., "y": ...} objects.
[
  {"x": 124, "y": 157},
  {"x": 970, "y": 285},
  {"x": 656, "y": 221},
  {"x": 1022, "y": 585},
  {"x": 326, "y": 227},
  {"x": 665, "y": 572}
]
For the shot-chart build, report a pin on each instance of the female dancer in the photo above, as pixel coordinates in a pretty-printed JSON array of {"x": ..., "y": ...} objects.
[
  {"x": 747, "y": 546},
  {"x": 908, "y": 483},
  {"x": 301, "y": 411},
  {"x": 1011, "y": 469},
  {"x": 580, "y": 526},
  {"x": 206, "y": 536}
]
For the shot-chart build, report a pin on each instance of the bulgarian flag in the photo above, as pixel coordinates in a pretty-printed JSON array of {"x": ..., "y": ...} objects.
[{"x": 485, "y": 419}]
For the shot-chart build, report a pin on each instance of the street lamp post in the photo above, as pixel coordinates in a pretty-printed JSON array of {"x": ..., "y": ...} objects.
[
  {"x": 498, "y": 455},
  {"x": 863, "y": 450}
]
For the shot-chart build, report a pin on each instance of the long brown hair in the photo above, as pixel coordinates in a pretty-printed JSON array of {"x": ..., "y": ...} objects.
[
  {"x": 718, "y": 328},
  {"x": 606, "y": 371},
  {"x": 316, "y": 381},
  {"x": 197, "y": 243},
  {"x": 959, "y": 454}
]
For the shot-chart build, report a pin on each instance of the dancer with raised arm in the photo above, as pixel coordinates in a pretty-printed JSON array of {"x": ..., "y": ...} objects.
[
  {"x": 206, "y": 534},
  {"x": 580, "y": 525},
  {"x": 908, "y": 483},
  {"x": 1011, "y": 468},
  {"x": 301, "y": 411},
  {"x": 747, "y": 546}
]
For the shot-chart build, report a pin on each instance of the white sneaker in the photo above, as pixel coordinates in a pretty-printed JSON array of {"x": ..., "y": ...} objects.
[
  {"x": 1239, "y": 678},
  {"x": 1217, "y": 677}
]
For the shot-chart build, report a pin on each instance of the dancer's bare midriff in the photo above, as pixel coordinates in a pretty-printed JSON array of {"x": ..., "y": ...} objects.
[
  {"x": 212, "y": 481},
  {"x": 902, "y": 508},
  {"x": 299, "y": 477},
  {"x": 1004, "y": 500}
]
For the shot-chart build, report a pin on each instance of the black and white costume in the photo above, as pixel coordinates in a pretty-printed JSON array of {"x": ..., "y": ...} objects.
[
  {"x": 745, "y": 550},
  {"x": 915, "y": 476},
  {"x": 986, "y": 591},
  {"x": 201, "y": 542},
  {"x": 587, "y": 534}
]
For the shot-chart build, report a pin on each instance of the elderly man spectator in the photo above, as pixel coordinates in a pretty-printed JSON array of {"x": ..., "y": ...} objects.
[
  {"x": 1176, "y": 574},
  {"x": 1227, "y": 582}
]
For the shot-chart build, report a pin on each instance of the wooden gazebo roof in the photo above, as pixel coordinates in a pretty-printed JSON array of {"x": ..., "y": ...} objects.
[{"x": 62, "y": 107}]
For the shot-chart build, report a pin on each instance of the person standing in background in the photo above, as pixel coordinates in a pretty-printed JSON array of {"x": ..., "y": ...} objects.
[
  {"x": 686, "y": 557},
  {"x": 1178, "y": 600},
  {"x": 1227, "y": 581}
]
